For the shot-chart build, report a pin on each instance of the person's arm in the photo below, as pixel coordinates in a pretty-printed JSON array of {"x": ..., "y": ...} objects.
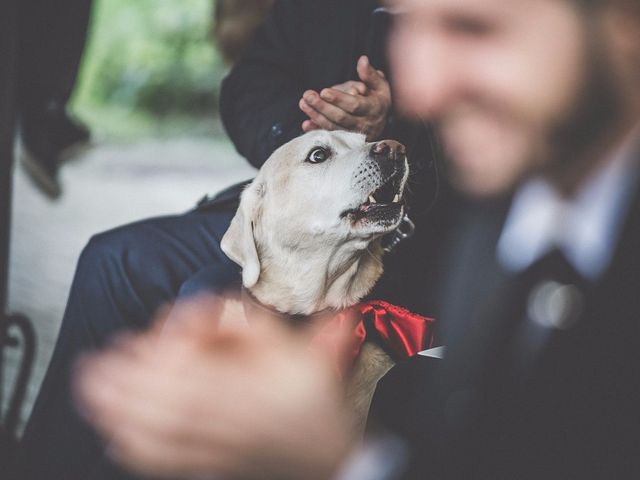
[{"x": 259, "y": 97}]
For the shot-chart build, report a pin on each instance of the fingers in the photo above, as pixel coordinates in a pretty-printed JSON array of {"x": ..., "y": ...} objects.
[
  {"x": 360, "y": 106},
  {"x": 317, "y": 118},
  {"x": 308, "y": 126},
  {"x": 150, "y": 455},
  {"x": 149, "y": 427},
  {"x": 198, "y": 317},
  {"x": 374, "y": 79},
  {"x": 352, "y": 104},
  {"x": 325, "y": 114},
  {"x": 338, "y": 339},
  {"x": 352, "y": 88},
  {"x": 171, "y": 441},
  {"x": 112, "y": 402}
]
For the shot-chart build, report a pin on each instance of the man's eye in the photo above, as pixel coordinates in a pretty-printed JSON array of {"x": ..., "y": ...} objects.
[
  {"x": 317, "y": 155},
  {"x": 469, "y": 26}
]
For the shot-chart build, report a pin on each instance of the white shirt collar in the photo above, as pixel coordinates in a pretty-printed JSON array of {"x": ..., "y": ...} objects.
[{"x": 585, "y": 228}]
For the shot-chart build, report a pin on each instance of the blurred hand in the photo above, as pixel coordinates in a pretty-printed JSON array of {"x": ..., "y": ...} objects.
[
  {"x": 197, "y": 400},
  {"x": 355, "y": 106}
]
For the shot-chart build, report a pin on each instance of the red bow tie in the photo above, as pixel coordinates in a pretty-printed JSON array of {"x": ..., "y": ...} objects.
[{"x": 399, "y": 332}]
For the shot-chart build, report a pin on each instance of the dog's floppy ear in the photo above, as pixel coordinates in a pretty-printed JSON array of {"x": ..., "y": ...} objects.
[{"x": 238, "y": 242}]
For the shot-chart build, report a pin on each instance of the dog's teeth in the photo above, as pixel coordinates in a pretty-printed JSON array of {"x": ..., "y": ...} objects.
[
  {"x": 371, "y": 199},
  {"x": 396, "y": 199}
]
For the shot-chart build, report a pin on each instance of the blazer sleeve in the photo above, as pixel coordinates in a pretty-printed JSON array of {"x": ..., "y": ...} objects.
[{"x": 259, "y": 97}]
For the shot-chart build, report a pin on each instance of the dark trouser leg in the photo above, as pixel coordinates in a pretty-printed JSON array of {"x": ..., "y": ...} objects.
[
  {"x": 52, "y": 37},
  {"x": 123, "y": 276}
]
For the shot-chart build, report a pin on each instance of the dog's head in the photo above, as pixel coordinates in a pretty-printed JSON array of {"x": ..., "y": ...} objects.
[{"x": 321, "y": 190}]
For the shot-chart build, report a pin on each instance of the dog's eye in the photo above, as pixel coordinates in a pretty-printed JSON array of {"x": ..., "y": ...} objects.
[{"x": 317, "y": 155}]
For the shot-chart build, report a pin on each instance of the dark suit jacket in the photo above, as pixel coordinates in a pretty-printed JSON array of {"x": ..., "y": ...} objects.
[{"x": 572, "y": 413}]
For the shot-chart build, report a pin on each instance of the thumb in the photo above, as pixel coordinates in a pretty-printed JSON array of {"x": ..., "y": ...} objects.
[
  {"x": 197, "y": 318},
  {"x": 374, "y": 79},
  {"x": 338, "y": 340}
]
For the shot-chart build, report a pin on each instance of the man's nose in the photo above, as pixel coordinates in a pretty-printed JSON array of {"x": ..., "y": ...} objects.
[{"x": 389, "y": 150}]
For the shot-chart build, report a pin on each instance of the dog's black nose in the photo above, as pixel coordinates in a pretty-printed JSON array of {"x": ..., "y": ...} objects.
[{"x": 389, "y": 149}]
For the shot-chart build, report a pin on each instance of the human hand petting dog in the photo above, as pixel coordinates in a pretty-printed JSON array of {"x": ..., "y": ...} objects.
[
  {"x": 355, "y": 106},
  {"x": 197, "y": 401}
]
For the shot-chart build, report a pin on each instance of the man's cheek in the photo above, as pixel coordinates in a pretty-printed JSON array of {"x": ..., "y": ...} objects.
[
  {"x": 408, "y": 72},
  {"x": 488, "y": 153}
]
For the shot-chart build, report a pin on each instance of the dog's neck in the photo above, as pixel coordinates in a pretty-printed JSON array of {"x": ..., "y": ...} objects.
[
  {"x": 255, "y": 308},
  {"x": 307, "y": 281}
]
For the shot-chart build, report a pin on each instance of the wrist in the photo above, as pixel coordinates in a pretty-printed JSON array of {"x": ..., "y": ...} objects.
[
  {"x": 333, "y": 445},
  {"x": 335, "y": 458}
]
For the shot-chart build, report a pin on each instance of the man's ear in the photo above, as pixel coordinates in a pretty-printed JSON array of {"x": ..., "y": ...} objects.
[{"x": 238, "y": 242}]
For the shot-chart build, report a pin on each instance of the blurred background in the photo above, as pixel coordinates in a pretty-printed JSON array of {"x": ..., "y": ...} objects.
[
  {"x": 148, "y": 91},
  {"x": 150, "y": 69}
]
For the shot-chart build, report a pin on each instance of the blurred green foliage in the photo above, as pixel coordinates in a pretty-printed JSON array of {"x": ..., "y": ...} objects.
[{"x": 150, "y": 67}]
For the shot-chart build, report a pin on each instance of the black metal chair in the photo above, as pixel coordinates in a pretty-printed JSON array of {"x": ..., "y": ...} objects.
[{"x": 15, "y": 330}]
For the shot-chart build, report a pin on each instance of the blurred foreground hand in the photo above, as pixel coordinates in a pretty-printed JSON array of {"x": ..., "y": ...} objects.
[{"x": 198, "y": 399}]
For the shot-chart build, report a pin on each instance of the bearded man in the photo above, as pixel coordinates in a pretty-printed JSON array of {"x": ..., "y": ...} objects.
[{"x": 537, "y": 106}]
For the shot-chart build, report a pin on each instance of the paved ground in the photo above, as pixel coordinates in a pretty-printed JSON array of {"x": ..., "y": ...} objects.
[{"x": 108, "y": 186}]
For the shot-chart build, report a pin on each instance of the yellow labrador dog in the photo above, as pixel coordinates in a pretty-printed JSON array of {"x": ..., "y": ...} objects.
[{"x": 308, "y": 229}]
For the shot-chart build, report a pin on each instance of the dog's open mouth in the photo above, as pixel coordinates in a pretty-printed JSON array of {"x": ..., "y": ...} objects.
[{"x": 384, "y": 205}]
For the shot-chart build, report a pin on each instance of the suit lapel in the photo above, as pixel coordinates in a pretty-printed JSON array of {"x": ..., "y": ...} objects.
[{"x": 473, "y": 274}]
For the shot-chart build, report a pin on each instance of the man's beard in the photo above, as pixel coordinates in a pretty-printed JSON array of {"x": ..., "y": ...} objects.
[{"x": 578, "y": 142}]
